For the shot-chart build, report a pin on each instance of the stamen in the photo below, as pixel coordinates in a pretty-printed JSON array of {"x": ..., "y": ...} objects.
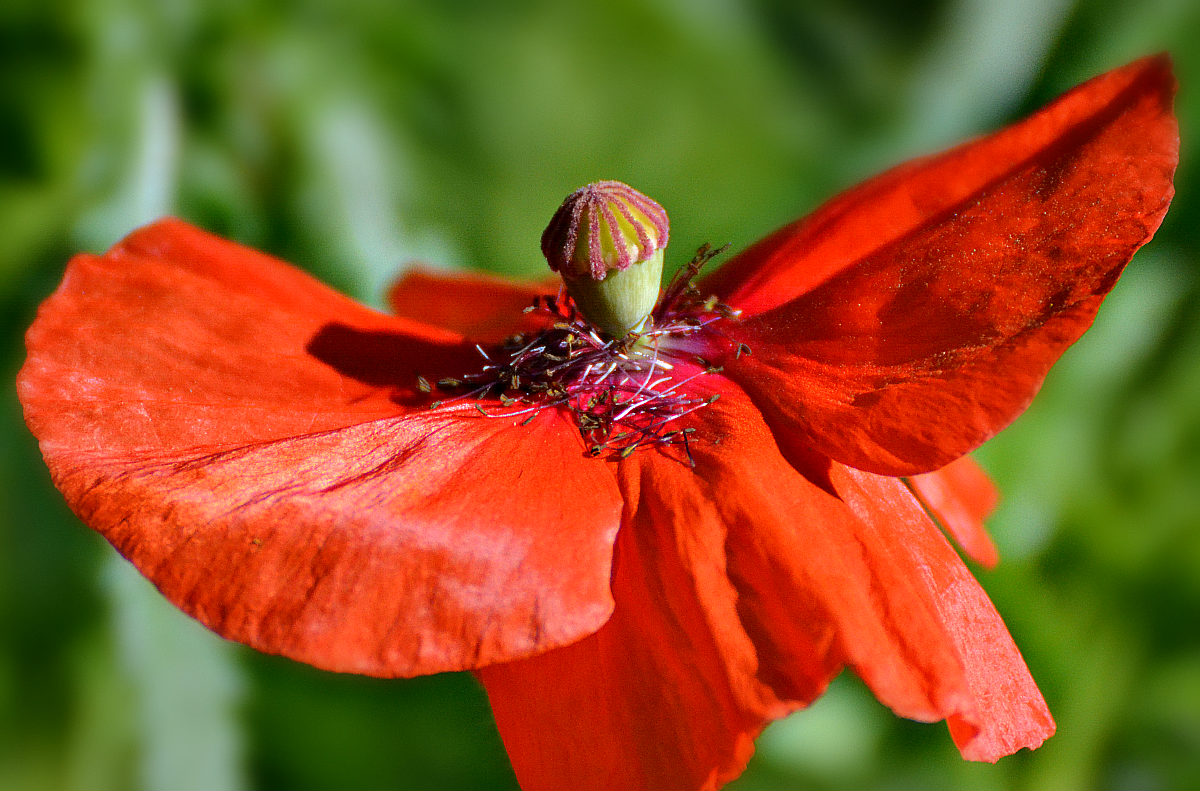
[{"x": 621, "y": 393}]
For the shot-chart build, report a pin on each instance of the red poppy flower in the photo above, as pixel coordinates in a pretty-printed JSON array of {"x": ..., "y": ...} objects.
[{"x": 637, "y": 606}]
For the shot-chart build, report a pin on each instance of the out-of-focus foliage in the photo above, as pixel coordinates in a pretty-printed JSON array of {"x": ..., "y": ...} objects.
[{"x": 353, "y": 137}]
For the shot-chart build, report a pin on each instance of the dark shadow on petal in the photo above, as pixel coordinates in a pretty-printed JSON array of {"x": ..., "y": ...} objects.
[
  {"x": 391, "y": 359},
  {"x": 810, "y": 463}
]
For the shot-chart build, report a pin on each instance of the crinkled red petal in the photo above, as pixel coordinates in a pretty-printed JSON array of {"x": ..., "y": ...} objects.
[
  {"x": 915, "y": 317},
  {"x": 667, "y": 693},
  {"x": 741, "y": 588},
  {"x": 898, "y": 604},
  {"x": 485, "y": 308},
  {"x": 1006, "y": 711},
  {"x": 246, "y": 437},
  {"x": 961, "y": 495}
]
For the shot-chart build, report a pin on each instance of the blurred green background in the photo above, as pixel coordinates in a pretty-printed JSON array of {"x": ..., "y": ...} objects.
[{"x": 354, "y": 137}]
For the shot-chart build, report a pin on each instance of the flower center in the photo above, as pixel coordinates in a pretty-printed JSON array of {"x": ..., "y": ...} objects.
[{"x": 624, "y": 393}]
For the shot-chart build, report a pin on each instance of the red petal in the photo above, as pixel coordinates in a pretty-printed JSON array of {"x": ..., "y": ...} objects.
[
  {"x": 960, "y": 495},
  {"x": 872, "y": 574},
  {"x": 238, "y": 431},
  {"x": 1007, "y": 711},
  {"x": 859, "y": 223},
  {"x": 175, "y": 335},
  {"x": 482, "y": 307},
  {"x": 665, "y": 695},
  {"x": 741, "y": 588},
  {"x": 948, "y": 288}
]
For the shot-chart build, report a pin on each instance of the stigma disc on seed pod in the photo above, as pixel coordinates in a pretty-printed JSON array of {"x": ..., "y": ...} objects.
[{"x": 607, "y": 241}]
